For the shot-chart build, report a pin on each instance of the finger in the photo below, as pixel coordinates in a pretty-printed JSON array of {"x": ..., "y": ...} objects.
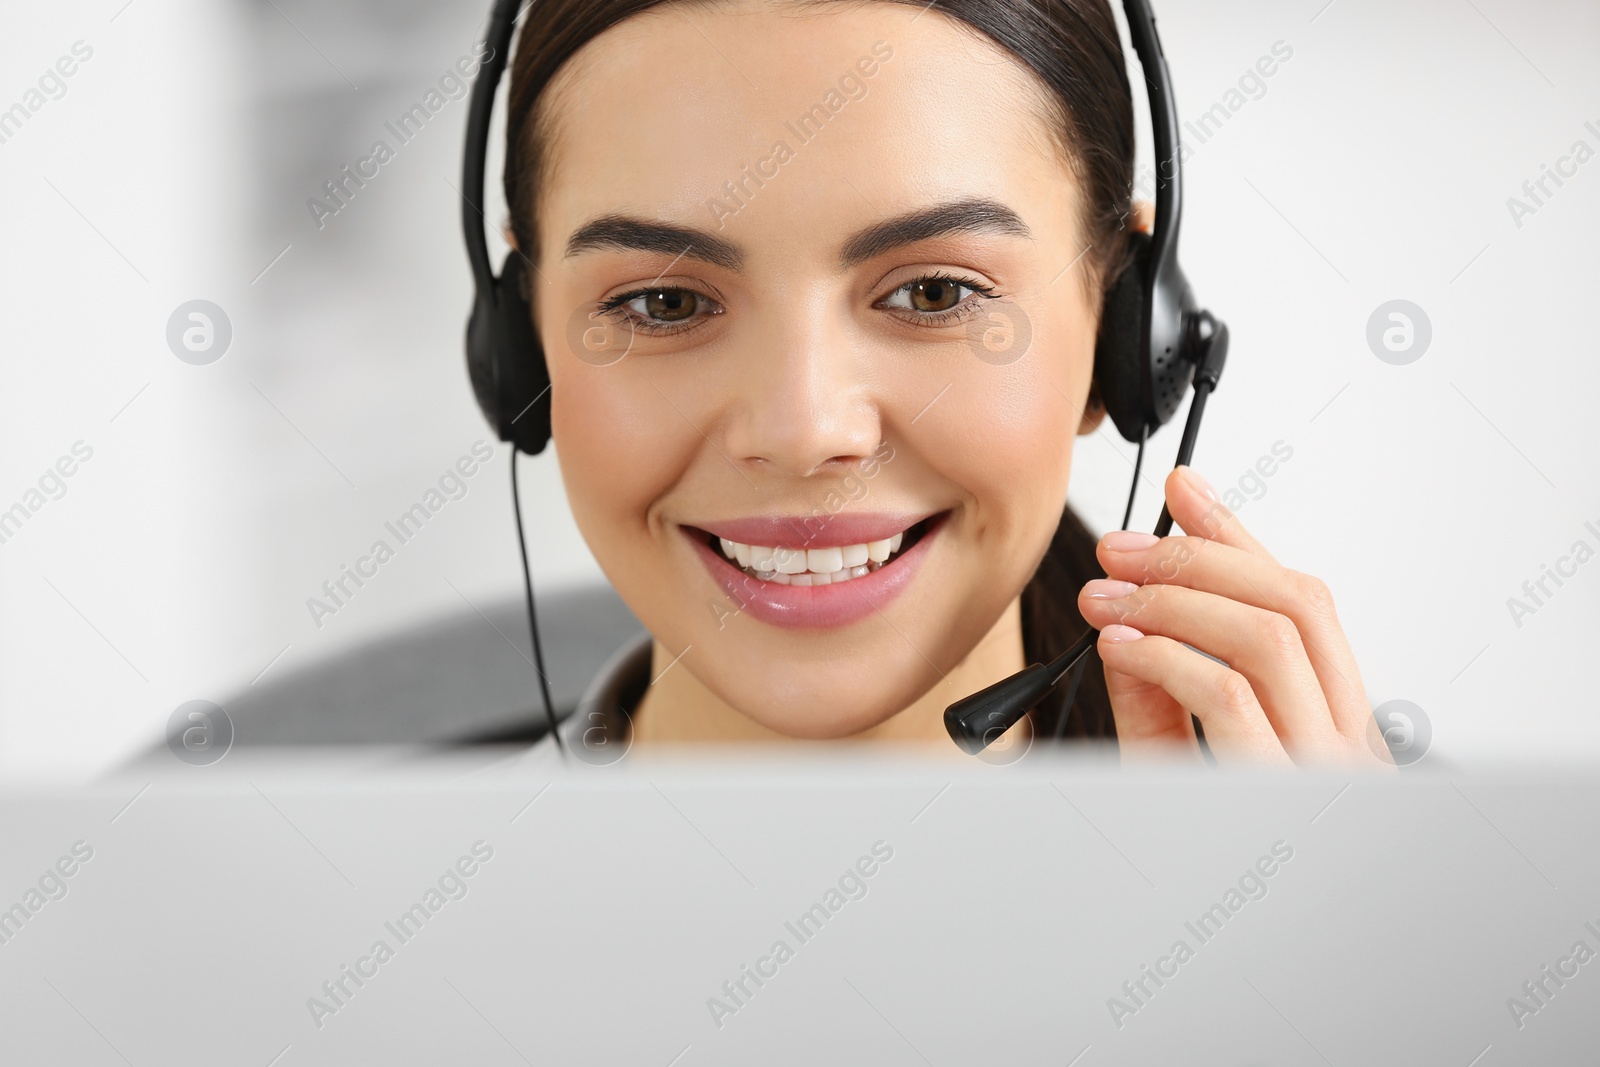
[
  {"x": 1261, "y": 644},
  {"x": 1228, "y": 571},
  {"x": 1237, "y": 729},
  {"x": 1151, "y": 725},
  {"x": 1195, "y": 506}
]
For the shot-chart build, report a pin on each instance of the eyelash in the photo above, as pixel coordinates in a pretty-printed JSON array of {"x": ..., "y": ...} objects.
[
  {"x": 614, "y": 305},
  {"x": 960, "y": 312}
]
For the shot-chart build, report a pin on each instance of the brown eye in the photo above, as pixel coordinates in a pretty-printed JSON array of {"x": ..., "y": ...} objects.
[
  {"x": 934, "y": 294},
  {"x": 670, "y": 305},
  {"x": 937, "y": 299},
  {"x": 660, "y": 311}
]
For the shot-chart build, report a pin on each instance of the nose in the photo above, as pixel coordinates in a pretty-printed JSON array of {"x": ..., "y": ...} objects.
[{"x": 802, "y": 396}]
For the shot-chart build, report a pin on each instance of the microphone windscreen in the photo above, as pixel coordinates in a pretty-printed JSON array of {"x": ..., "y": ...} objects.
[{"x": 976, "y": 721}]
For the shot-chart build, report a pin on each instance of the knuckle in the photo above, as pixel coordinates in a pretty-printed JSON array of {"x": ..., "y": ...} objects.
[
  {"x": 1279, "y": 633},
  {"x": 1234, "y": 695},
  {"x": 1314, "y": 594}
]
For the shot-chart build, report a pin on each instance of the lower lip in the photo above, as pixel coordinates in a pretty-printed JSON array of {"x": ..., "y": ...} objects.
[{"x": 815, "y": 607}]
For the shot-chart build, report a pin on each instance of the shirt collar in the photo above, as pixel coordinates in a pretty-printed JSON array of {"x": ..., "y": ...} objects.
[{"x": 599, "y": 730}]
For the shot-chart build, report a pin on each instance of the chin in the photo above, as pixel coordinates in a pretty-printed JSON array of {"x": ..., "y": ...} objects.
[{"x": 858, "y": 696}]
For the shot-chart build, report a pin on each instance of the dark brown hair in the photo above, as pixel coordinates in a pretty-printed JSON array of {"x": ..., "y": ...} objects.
[{"x": 1072, "y": 49}]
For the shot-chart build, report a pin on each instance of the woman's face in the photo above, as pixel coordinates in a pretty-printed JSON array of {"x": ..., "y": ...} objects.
[{"x": 845, "y": 306}]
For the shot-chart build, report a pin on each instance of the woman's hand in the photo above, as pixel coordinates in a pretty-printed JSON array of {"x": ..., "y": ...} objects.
[{"x": 1290, "y": 692}]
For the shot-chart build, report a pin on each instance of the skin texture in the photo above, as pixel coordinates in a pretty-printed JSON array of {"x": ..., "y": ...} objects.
[{"x": 795, "y": 370}]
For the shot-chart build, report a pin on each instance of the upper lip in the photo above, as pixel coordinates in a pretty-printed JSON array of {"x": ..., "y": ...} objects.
[{"x": 814, "y": 531}]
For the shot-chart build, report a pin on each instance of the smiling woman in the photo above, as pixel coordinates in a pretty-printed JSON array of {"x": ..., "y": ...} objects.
[
  {"x": 827, "y": 320},
  {"x": 711, "y": 390}
]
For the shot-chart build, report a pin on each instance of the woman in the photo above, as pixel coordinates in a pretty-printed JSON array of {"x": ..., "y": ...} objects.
[{"x": 770, "y": 241}]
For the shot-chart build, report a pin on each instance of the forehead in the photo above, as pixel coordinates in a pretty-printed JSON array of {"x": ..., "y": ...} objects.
[{"x": 805, "y": 120}]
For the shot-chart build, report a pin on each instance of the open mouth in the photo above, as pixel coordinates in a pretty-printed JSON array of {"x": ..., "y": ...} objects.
[{"x": 835, "y": 565}]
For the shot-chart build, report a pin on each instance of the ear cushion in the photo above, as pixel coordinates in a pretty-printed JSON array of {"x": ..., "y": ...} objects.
[
  {"x": 506, "y": 363},
  {"x": 481, "y": 368},
  {"x": 1119, "y": 352}
]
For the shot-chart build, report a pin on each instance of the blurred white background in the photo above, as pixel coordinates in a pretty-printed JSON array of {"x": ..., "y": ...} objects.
[{"x": 1375, "y": 164}]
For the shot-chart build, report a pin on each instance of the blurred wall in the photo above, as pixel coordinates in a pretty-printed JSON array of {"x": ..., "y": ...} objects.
[{"x": 1374, "y": 164}]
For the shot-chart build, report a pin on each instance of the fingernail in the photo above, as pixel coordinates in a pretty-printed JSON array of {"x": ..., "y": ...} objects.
[
  {"x": 1119, "y": 634},
  {"x": 1199, "y": 484},
  {"x": 1108, "y": 589},
  {"x": 1129, "y": 540}
]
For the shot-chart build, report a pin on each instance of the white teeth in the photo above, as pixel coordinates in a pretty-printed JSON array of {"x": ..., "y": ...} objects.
[
  {"x": 812, "y": 566},
  {"x": 824, "y": 560},
  {"x": 809, "y": 579},
  {"x": 789, "y": 560}
]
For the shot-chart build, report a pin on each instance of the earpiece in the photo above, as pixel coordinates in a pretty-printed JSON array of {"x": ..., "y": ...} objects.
[
  {"x": 506, "y": 364},
  {"x": 1144, "y": 357},
  {"x": 1116, "y": 351}
]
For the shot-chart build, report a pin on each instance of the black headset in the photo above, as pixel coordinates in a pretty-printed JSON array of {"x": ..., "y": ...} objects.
[{"x": 1153, "y": 343}]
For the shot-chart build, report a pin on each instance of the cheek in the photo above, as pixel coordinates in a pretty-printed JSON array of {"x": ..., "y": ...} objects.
[
  {"x": 619, "y": 443},
  {"x": 1008, "y": 432}
]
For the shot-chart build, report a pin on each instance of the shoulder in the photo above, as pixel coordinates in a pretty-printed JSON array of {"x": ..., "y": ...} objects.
[{"x": 597, "y": 731}]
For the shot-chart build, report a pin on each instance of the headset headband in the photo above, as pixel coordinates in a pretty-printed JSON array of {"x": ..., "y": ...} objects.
[{"x": 502, "y": 23}]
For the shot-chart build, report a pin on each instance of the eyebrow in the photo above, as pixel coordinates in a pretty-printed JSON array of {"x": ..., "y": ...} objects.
[
  {"x": 626, "y": 233},
  {"x": 972, "y": 215}
]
